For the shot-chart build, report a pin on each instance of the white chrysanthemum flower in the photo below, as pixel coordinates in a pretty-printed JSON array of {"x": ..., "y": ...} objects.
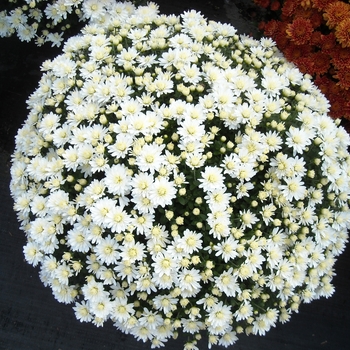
[
  {"x": 227, "y": 283},
  {"x": 189, "y": 281},
  {"x": 117, "y": 219},
  {"x": 191, "y": 129},
  {"x": 150, "y": 158},
  {"x": 126, "y": 271},
  {"x": 260, "y": 326},
  {"x": 248, "y": 218},
  {"x": 82, "y": 311},
  {"x": 121, "y": 146},
  {"x": 118, "y": 180},
  {"x": 122, "y": 310},
  {"x": 162, "y": 192},
  {"x": 107, "y": 251},
  {"x": 106, "y": 275},
  {"x": 100, "y": 210},
  {"x": 297, "y": 139},
  {"x": 164, "y": 264},
  {"x": 244, "y": 312},
  {"x": 190, "y": 241},
  {"x": 78, "y": 240},
  {"x": 166, "y": 303},
  {"x": 101, "y": 308},
  {"x": 93, "y": 291},
  {"x": 133, "y": 251},
  {"x": 220, "y": 315},
  {"x": 293, "y": 188},
  {"x": 227, "y": 249},
  {"x": 32, "y": 253},
  {"x": 211, "y": 179}
]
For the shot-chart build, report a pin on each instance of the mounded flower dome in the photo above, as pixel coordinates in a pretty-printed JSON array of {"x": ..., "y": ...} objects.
[{"x": 174, "y": 177}]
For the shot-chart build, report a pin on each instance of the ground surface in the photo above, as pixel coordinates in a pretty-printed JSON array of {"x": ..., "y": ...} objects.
[{"x": 31, "y": 319}]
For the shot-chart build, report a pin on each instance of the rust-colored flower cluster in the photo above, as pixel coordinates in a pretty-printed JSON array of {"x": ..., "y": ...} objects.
[{"x": 315, "y": 35}]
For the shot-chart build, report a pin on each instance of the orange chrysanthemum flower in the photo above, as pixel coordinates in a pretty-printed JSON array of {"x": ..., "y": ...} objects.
[
  {"x": 271, "y": 28},
  {"x": 340, "y": 107},
  {"x": 305, "y": 64},
  {"x": 324, "y": 83},
  {"x": 328, "y": 43},
  {"x": 289, "y": 7},
  {"x": 320, "y": 5},
  {"x": 300, "y": 31},
  {"x": 335, "y": 13},
  {"x": 294, "y": 52},
  {"x": 316, "y": 39},
  {"x": 320, "y": 63},
  {"x": 341, "y": 58},
  {"x": 280, "y": 36},
  {"x": 342, "y": 32},
  {"x": 343, "y": 77}
]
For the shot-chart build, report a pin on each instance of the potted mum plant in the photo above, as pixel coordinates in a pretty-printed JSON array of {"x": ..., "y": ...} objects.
[{"x": 174, "y": 177}]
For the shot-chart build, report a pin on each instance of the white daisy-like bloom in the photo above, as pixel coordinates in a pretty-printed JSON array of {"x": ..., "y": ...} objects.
[
  {"x": 294, "y": 188},
  {"x": 190, "y": 242},
  {"x": 164, "y": 264},
  {"x": 219, "y": 227},
  {"x": 189, "y": 281},
  {"x": 248, "y": 218},
  {"x": 106, "y": 275},
  {"x": 62, "y": 273},
  {"x": 93, "y": 291},
  {"x": 272, "y": 82},
  {"x": 33, "y": 253},
  {"x": 297, "y": 139},
  {"x": 102, "y": 308},
  {"x": 78, "y": 240},
  {"x": 172, "y": 174},
  {"x": 227, "y": 283},
  {"x": 117, "y": 219},
  {"x": 118, "y": 180},
  {"x": 82, "y": 311},
  {"x": 245, "y": 311},
  {"x": 150, "y": 158},
  {"x": 220, "y": 316},
  {"x": 162, "y": 192},
  {"x": 107, "y": 250},
  {"x": 122, "y": 310},
  {"x": 211, "y": 179},
  {"x": 132, "y": 252},
  {"x": 126, "y": 271},
  {"x": 260, "y": 326},
  {"x": 227, "y": 249},
  {"x": 100, "y": 210},
  {"x": 95, "y": 190},
  {"x": 143, "y": 203},
  {"x": 121, "y": 146}
]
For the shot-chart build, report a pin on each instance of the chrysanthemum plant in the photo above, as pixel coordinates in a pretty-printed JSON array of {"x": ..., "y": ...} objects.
[
  {"x": 315, "y": 35},
  {"x": 174, "y": 177},
  {"x": 50, "y": 21}
]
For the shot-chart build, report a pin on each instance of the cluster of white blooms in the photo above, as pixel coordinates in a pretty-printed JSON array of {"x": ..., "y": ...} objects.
[
  {"x": 46, "y": 21},
  {"x": 173, "y": 176}
]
